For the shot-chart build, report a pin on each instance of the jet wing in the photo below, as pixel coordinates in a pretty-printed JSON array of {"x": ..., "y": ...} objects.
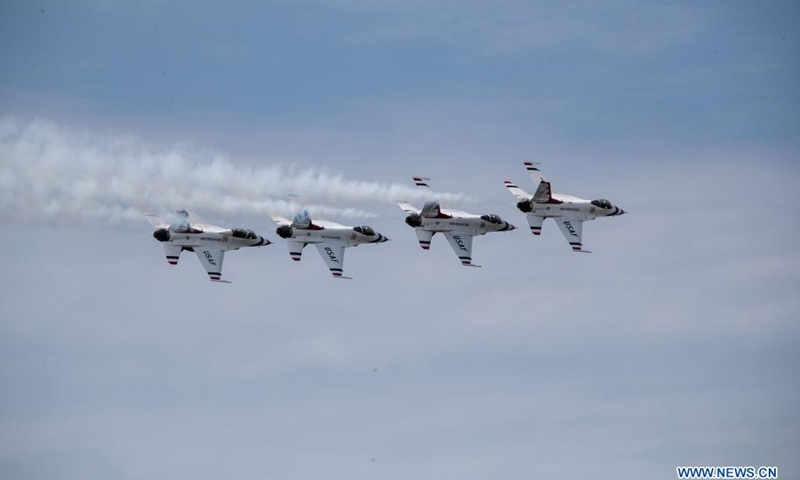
[
  {"x": 462, "y": 245},
  {"x": 211, "y": 258},
  {"x": 573, "y": 231},
  {"x": 333, "y": 254},
  {"x": 517, "y": 192}
]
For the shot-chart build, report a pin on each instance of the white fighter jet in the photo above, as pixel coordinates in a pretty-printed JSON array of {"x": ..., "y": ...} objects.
[
  {"x": 209, "y": 242},
  {"x": 330, "y": 238},
  {"x": 569, "y": 212},
  {"x": 458, "y": 227}
]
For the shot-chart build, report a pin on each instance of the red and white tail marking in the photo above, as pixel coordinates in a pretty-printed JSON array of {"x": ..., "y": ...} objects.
[
  {"x": 421, "y": 182},
  {"x": 531, "y": 166}
]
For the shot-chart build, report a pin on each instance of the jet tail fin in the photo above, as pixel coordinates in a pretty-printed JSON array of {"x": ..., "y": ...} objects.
[
  {"x": 543, "y": 193},
  {"x": 432, "y": 209}
]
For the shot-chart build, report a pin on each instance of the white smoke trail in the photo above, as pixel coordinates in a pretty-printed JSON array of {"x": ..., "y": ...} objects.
[{"x": 52, "y": 175}]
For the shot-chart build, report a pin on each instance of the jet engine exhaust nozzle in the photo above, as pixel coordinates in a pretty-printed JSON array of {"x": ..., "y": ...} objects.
[
  {"x": 284, "y": 231},
  {"x": 414, "y": 220},
  {"x": 162, "y": 235},
  {"x": 525, "y": 206}
]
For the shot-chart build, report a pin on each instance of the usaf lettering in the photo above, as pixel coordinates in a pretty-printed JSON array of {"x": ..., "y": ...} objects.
[
  {"x": 209, "y": 258},
  {"x": 331, "y": 254},
  {"x": 570, "y": 228},
  {"x": 459, "y": 242}
]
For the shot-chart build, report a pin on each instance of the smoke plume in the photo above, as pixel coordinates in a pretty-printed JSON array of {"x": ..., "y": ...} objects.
[{"x": 52, "y": 175}]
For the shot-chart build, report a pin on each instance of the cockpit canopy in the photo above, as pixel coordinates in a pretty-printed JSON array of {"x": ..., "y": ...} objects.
[
  {"x": 602, "y": 203},
  {"x": 365, "y": 230},
  {"x": 243, "y": 233},
  {"x": 491, "y": 218}
]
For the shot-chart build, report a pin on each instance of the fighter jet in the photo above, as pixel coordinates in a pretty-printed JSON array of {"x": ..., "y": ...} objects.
[
  {"x": 209, "y": 242},
  {"x": 458, "y": 227},
  {"x": 569, "y": 212},
  {"x": 330, "y": 238}
]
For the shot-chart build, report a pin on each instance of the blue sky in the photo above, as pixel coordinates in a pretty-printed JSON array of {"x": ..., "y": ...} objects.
[{"x": 674, "y": 343}]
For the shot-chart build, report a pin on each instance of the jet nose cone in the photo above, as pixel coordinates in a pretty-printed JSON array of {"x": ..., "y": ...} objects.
[
  {"x": 382, "y": 239},
  {"x": 263, "y": 241},
  {"x": 509, "y": 227},
  {"x": 616, "y": 212}
]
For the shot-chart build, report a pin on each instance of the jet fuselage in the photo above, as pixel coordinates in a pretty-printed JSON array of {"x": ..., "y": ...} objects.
[
  {"x": 462, "y": 222},
  {"x": 322, "y": 232},
  {"x": 568, "y": 206},
  {"x": 224, "y": 240}
]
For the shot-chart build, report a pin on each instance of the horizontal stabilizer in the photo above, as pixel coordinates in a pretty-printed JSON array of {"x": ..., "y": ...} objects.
[
  {"x": 533, "y": 170},
  {"x": 155, "y": 221},
  {"x": 295, "y": 249},
  {"x": 516, "y": 191},
  {"x": 535, "y": 221},
  {"x": 421, "y": 182},
  {"x": 424, "y": 237},
  {"x": 407, "y": 207},
  {"x": 279, "y": 219},
  {"x": 172, "y": 252}
]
